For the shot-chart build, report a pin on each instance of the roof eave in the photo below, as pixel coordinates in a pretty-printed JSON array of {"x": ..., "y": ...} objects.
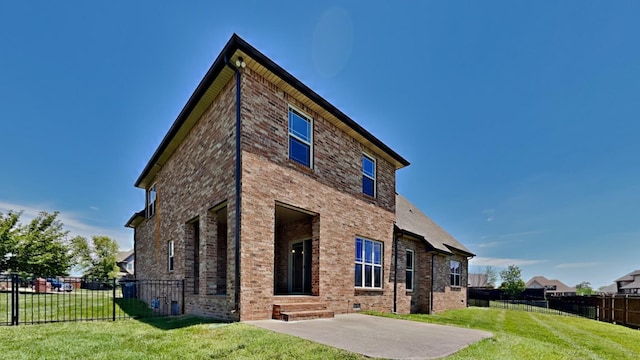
[{"x": 135, "y": 219}]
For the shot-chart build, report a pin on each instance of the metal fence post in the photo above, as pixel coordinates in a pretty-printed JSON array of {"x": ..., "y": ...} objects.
[
  {"x": 15, "y": 309},
  {"x": 114, "y": 299}
]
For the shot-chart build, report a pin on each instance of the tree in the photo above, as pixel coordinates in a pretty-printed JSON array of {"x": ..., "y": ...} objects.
[
  {"x": 41, "y": 249},
  {"x": 511, "y": 280},
  {"x": 8, "y": 239},
  {"x": 584, "y": 288},
  {"x": 492, "y": 276},
  {"x": 98, "y": 260}
]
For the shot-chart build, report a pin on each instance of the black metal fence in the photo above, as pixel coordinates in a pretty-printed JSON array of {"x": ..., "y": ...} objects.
[
  {"x": 535, "y": 301},
  {"x": 43, "y": 300}
]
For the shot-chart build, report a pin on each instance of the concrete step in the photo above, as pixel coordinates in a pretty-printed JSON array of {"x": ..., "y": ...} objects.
[
  {"x": 306, "y": 315},
  {"x": 298, "y": 307}
]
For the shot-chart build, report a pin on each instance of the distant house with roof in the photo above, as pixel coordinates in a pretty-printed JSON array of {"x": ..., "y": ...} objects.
[
  {"x": 630, "y": 283},
  {"x": 608, "y": 290},
  {"x": 478, "y": 281},
  {"x": 551, "y": 287},
  {"x": 125, "y": 262}
]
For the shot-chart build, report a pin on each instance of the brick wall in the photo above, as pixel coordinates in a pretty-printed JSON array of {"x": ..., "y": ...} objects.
[
  {"x": 445, "y": 296},
  {"x": 341, "y": 218},
  {"x": 337, "y": 157},
  {"x": 197, "y": 176}
]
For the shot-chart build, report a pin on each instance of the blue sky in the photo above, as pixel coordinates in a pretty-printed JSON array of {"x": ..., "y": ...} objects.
[{"x": 519, "y": 118}]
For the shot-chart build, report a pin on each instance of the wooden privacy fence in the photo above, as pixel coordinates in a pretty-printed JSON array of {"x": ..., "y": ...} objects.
[{"x": 620, "y": 309}]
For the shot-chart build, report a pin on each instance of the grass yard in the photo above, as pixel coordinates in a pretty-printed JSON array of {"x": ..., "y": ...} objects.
[
  {"x": 518, "y": 335},
  {"x": 157, "y": 338},
  {"x": 526, "y": 335}
]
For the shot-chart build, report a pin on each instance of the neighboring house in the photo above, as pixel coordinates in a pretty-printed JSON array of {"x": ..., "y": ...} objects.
[
  {"x": 630, "y": 283},
  {"x": 608, "y": 290},
  {"x": 478, "y": 281},
  {"x": 299, "y": 212},
  {"x": 552, "y": 287},
  {"x": 125, "y": 261}
]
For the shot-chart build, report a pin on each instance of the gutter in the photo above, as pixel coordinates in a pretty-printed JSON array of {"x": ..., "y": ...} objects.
[{"x": 238, "y": 173}]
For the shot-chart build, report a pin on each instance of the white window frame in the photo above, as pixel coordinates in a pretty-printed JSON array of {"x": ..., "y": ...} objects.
[
  {"x": 363, "y": 263},
  {"x": 152, "y": 200},
  {"x": 410, "y": 286},
  {"x": 171, "y": 256},
  {"x": 375, "y": 170},
  {"x": 455, "y": 275},
  {"x": 291, "y": 134}
]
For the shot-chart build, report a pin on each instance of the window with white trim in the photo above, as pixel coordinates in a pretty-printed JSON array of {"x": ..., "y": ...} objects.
[
  {"x": 152, "y": 195},
  {"x": 300, "y": 138},
  {"x": 368, "y": 175},
  {"x": 171, "y": 255},
  {"x": 368, "y": 272},
  {"x": 455, "y": 272},
  {"x": 409, "y": 279}
]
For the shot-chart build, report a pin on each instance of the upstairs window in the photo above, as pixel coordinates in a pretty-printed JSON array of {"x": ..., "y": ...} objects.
[
  {"x": 368, "y": 264},
  {"x": 368, "y": 175},
  {"x": 152, "y": 195},
  {"x": 171, "y": 255},
  {"x": 300, "y": 138},
  {"x": 455, "y": 273},
  {"x": 409, "y": 272}
]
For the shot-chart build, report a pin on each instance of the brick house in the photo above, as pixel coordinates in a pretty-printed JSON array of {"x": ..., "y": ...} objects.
[{"x": 313, "y": 189}]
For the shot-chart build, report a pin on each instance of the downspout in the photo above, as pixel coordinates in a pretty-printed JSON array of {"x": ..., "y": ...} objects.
[
  {"x": 431, "y": 292},
  {"x": 395, "y": 273},
  {"x": 238, "y": 173}
]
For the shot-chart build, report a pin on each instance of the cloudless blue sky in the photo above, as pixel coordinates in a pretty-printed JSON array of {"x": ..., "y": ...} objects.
[{"x": 520, "y": 118}]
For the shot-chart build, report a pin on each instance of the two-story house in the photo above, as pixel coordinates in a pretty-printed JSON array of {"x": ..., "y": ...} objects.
[{"x": 271, "y": 202}]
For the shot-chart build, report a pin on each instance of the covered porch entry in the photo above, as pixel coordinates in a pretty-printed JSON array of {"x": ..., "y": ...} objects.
[
  {"x": 296, "y": 265},
  {"x": 296, "y": 251}
]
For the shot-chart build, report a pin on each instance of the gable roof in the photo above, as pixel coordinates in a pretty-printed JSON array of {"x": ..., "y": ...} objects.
[
  {"x": 630, "y": 276},
  {"x": 219, "y": 74},
  {"x": 123, "y": 255},
  {"x": 560, "y": 286},
  {"x": 413, "y": 222},
  {"x": 477, "y": 280}
]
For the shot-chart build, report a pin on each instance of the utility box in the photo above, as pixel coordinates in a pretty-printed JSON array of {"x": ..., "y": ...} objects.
[
  {"x": 129, "y": 289},
  {"x": 41, "y": 285}
]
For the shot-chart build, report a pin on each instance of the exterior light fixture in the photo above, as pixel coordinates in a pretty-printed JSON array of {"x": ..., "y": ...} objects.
[{"x": 240, "y": 63}]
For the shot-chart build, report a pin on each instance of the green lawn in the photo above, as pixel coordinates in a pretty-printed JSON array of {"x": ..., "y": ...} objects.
[
  {"x": 518, "y": 335},
  {"x": 157, "y": 338},
  {"x": 526, "y": 335}
]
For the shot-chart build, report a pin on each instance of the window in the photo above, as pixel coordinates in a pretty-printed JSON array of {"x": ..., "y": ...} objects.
[
  {"x": 152, "y": 195},
  {"x": 171, "y": 255},
  {"x": 368, "y": 263},
  {"x": 410, "y": 268},
  {"x": 455, "y": 273},
  {"x": 300, "y": 142},
  {"x": 368, "y": 175},
  {"x": 130, "y": 266}
]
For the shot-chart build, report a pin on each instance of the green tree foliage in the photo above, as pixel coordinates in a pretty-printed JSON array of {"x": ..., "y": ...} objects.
[
  {"x": 8, "y": 239},
  {"x": 97, "y": 260},
  {"x": 41, "y": 249},
  {"x": 492, "y": 276},
  {"x": 511, "y": 280},
  {"x": 584, "y": 288}
]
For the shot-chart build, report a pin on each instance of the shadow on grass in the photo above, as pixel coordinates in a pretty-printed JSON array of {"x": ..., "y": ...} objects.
[{"x": 140, "y": 311}]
